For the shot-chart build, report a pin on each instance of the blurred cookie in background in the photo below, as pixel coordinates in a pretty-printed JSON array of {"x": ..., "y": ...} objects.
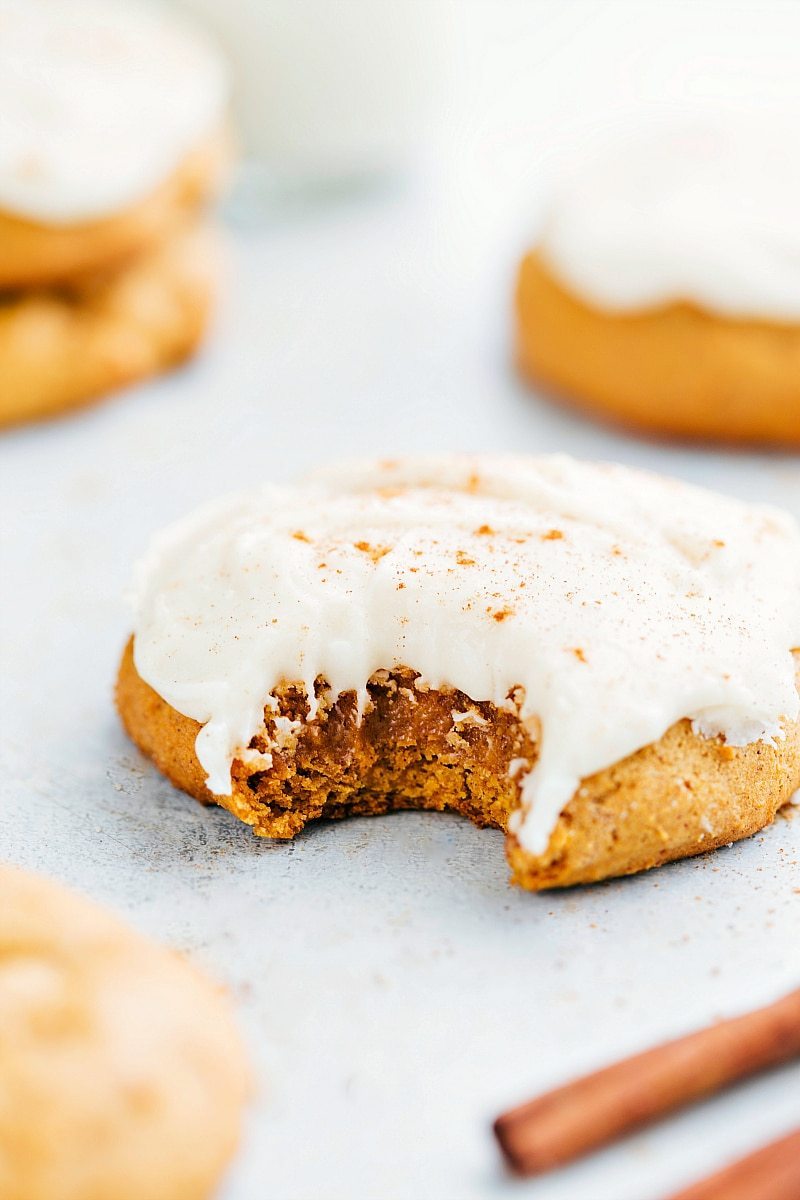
[
  {"x": 63, "y": 347},
  {"x": 114, "y": 141},
  {"x": 664, "y": 292},
  {"x": 122, "y": 1070}
]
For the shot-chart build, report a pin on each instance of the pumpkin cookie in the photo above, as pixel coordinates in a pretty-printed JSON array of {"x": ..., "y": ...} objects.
[
  {"x": 113, "y": 131},
  {"x": 664, "y": 291},
  {"x": 35, "y": 256},
  {"x": 123, "y": 1074},
  {"x": 597, "y": 660},
  {"x": 60, "y": 349}
]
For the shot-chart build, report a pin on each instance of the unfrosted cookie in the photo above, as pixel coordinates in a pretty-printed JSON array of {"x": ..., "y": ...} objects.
[
  {"x": 597, "y": 660},
  {"x": 113, "y": 131},
  {"x": 63, "y": 348},
  {"x": 122, "y": 1074},
  {"x": 664, "y": 291}
]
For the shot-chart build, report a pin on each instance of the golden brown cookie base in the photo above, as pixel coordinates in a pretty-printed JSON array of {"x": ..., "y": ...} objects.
[
  {"x": 36, "y": 255},
  {"x": 680, "y": 796},
  {"x": 676, "y": 371},
  {"x": 61, "y": 349},
  {"x": 123, "y": 1074}
]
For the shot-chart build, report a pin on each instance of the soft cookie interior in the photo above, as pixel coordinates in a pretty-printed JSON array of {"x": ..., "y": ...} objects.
[{"x": 417, "y": 747}]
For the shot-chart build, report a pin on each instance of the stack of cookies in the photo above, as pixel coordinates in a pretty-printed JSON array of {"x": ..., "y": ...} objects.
[{"x": 113, "y": 142}]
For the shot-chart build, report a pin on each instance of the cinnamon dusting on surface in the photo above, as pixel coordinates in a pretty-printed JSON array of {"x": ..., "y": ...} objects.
[{"x": 376, "y": 553}]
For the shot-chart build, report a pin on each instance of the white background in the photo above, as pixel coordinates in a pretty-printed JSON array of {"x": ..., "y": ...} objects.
[{"x": 395, "y": 992}]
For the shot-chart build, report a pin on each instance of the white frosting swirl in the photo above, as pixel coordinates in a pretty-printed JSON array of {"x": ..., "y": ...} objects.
[
  {"x": 100, "y": 102},
  {"x": 705, "y": 212},
  {"x": 619, "y": 602}
]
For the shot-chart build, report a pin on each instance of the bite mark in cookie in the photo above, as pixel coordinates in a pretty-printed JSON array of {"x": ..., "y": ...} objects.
[{"x": 658, "y": 608}]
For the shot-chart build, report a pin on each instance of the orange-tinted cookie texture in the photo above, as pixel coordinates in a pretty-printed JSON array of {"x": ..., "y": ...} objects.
[
  {"x": 664, "y": 288},
  {"x": 40, "y": 256},
  {"x": 676, "y": 370},
  {"x": 681, "y": 796},
  {"x": 61, "y": 349},
  {"x": 115, "y": 142},
  {"x": 122, "y": 1071},
  {"x": 597, "y": 660}
]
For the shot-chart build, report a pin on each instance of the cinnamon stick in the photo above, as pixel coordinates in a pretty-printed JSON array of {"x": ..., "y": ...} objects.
[
  {"x": 579, "y": 1117},
  {"x": 773, "y": 1172}
]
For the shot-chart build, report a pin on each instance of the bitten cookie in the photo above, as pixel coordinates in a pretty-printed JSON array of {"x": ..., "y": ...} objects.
[
  {"x": 597, "y": 660},
  {"x": 664, "y": 291},
  {"x": 122, "y": 1072},
  {"x": 61, "y": 349},
  {"x": 114, "y": 131}
]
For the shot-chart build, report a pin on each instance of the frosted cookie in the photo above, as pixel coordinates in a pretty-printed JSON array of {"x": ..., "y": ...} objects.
[
  {"x": 63, "y": 348},
  {"x": 597, "y": 660},
  {"x": 665, "y": 289},
  {"x": 122, "y": 1071},
  {"x": 114, "y": 118}
]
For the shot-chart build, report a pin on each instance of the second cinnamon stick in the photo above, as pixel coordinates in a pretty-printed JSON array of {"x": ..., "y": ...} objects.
[{"x": 770, "y": 1173}]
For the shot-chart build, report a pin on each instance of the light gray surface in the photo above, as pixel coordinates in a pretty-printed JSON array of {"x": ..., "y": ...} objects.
[{"x": 395, "y": 991}]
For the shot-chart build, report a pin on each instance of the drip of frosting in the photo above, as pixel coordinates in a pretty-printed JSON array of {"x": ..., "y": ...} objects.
[
  {"x": 705, "y": 213},
  {"x": 601, "y": 603},
  {"x": 101, "y": 100}
]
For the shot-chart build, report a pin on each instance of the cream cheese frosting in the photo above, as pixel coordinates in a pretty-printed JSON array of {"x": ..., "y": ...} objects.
[
  {"x": 704, "y": 212},
  {"x": 101, "y": 100},
  {"x": 600, "y": 603}
]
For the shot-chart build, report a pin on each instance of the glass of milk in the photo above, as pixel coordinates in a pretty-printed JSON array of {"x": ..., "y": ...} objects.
[{"x": 329, "y": 94}]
